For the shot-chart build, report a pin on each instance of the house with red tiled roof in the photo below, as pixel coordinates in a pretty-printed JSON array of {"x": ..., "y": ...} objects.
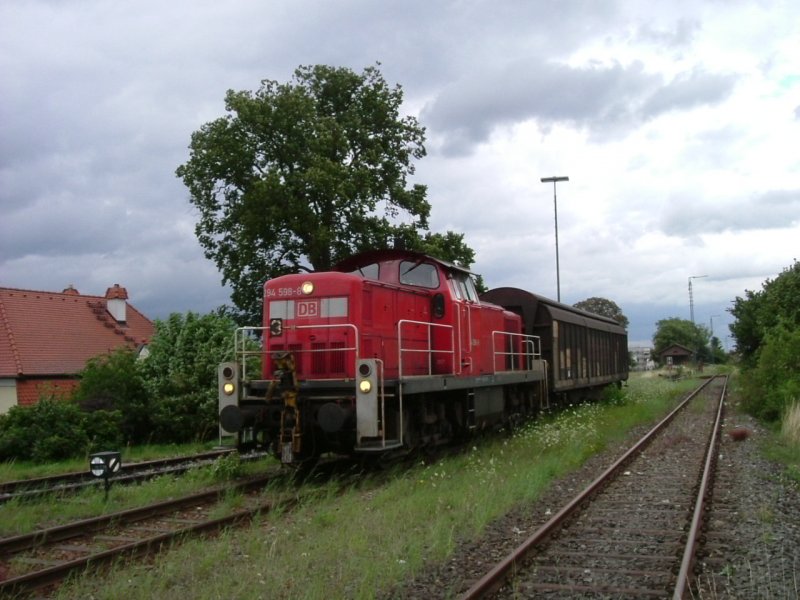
[{"x": 46, "y": 338}]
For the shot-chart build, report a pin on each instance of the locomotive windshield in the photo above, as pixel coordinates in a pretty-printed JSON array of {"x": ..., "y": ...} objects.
[{"x": 464, "y": 287}]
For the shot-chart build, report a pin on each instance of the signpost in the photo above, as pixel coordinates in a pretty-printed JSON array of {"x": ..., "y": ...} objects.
[{"x": 105, "y": 464}]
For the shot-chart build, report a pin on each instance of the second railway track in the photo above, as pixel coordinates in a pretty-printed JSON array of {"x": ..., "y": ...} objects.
[
  {"x": 134, "y": 472},
  {"x": 32, "y": 561},
  {"x": 633, "y": 532}
]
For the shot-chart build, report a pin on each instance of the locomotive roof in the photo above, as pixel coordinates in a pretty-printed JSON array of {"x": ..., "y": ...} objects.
[{"x": 374, "y": 256}]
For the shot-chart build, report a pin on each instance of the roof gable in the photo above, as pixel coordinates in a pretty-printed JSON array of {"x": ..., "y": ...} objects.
[
  {"x": 675, "y": 350},
  {"x": 55, "y": 333}
]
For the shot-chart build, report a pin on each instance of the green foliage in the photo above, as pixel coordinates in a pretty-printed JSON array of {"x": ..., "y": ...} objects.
[
  {"x": 774, "y": 384},
  {"x": 767, "y": 332},
  {"x": 680, "y": 331},
  {"x": 114, "y": 382},
  {"x": 311, "y": 170},
  {"x": 758, "y": 312},
  {"x": 603, "y": 307},
  {"x": 48, "y": 430},
  {"x": 104, "y": 430},
  {"x": 718, "y": 354},
  {"x": 226, "y": 468},
  {"x": 614, "y": 395},
  {"x": 169, "y": 397},
  {"x": 180, "y": 374}
]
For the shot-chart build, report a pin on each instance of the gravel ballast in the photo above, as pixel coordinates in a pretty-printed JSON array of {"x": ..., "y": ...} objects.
[{"x": 752, "y": 547}]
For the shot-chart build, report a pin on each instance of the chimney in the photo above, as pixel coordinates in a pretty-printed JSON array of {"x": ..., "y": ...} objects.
[
  {"x": 116, "y": 302},
  {"x": 71, "y": 291}
]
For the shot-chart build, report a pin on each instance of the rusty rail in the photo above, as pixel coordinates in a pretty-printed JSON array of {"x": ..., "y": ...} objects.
[
  {"x": 703, "y": 494},
  {"x": 495, "y": 578}
]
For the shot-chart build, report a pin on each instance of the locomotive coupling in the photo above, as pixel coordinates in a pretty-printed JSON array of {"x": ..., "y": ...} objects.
[{"x": 291, "y": 432}]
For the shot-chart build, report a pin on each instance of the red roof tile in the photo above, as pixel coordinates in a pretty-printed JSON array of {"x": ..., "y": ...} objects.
[{"x": 54, "y": 333}]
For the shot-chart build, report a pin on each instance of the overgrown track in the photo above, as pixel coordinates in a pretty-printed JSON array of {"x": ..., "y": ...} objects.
[
  {"x": 47, "y": 556},
  {"x": 633, "y": 532},
  {"x": 25, "y": 489}
]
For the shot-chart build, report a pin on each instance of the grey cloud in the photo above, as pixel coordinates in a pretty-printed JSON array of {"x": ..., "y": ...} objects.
[
  {"x": 606, "y": 100},
  {"x": 688, "y": 90},
  {"x": 681, "y": 35},
  {"x": 776, "y": 209}
]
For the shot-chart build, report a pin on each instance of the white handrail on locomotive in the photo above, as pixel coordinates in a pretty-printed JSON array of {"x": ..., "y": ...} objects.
[
  {"x": 531, "y": 346},
  {"x": 430, "y": 351},
  {"x": 531, "y": 350}
]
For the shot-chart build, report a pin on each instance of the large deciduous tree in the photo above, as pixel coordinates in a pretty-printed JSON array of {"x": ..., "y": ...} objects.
[
  {"x": 603, "y": 307},
  {"x": 303, "y": 174}
]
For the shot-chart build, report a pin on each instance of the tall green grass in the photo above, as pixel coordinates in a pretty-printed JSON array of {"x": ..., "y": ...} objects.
[{"x": 357, "y": 543}]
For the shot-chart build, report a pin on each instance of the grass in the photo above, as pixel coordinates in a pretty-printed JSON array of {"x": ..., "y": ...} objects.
[
  {"x": 784, "y": 446},
  {"x": 360, "y": 542}
]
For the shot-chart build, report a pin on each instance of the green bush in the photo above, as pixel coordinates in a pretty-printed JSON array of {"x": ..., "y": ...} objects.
[
  {"x": 113, "y": 382},
  {"x": 178, "y": 419},
  {"x": 180, "y": 374},
  {"x": 48, "y": 430},
  {"x": 104, "y": 430},
  {"x": 774, "y": 382},
  {"x": 614, "y": 395}
]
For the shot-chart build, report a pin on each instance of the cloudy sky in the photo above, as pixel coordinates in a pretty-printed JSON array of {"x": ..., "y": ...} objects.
[{"x": 677, "y": 123}]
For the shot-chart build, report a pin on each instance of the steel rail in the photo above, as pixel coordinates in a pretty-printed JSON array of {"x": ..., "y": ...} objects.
[
  {"x": 495, "y": 578},
  {"x": 153, "y": 544},
  {"x": 703, "y": 493},
  {"x": 7, "y": 487},
  {"x": 59, "y": 533}
]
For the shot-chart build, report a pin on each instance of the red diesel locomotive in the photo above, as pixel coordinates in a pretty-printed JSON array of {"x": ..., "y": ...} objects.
[{"x": 394, "y": 350}]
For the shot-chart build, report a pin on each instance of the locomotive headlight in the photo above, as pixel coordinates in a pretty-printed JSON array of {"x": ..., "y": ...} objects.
[
  {"x": 307, "y": 287},
  {"x": 228, "y": 388},
  {"x": 365, "y": 386}
]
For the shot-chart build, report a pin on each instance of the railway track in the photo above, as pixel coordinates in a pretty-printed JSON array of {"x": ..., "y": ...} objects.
[
  {"x": 28, "y": 489},
  {"x": 634, "y": 531},
  {"x": 44, "y": 557}
]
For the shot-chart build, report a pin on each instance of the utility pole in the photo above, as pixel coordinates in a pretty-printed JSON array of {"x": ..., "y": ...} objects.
[{"x": 691, "y": 299}]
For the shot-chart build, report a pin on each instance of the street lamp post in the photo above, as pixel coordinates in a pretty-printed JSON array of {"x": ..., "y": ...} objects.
[
  {"x": 691, "y": 299},
  {"x": 555, "y": 212}
]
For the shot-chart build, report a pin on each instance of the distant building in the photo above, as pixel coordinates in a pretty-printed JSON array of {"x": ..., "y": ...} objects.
[
  {"x": 642, "y": 358},
  {"x": 675, "y": 355},
  {"x": 46, "y": 338}
]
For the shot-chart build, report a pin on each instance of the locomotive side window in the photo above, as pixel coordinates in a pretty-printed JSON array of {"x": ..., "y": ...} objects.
[
  {"x": 464, "y": 287},
  {"x": 456, "y": 288},
  {"x": 371, "y": 271},
  {"x": 419, "y": 274}
]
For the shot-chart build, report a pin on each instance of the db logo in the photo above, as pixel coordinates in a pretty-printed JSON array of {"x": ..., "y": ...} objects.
[{"x": 307, "y": 308}]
